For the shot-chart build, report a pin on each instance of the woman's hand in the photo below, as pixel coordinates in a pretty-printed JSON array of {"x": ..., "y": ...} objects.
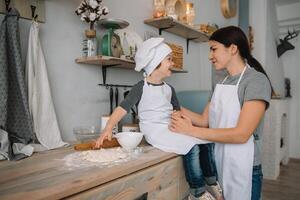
[
  {"x": 105, "y": 135},
  {"x": 176, "y": 113},
  {"x": 180, "y": 123}
]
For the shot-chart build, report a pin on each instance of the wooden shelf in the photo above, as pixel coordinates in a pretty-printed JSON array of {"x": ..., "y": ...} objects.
[
  {"x": 108, "y": 61},
  {"x": 173, "y": 26}
]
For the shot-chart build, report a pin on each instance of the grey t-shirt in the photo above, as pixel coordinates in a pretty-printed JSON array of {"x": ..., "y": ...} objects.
[
  {"x": 253, "y": 86},
  {"x": 135, "y": 95}
]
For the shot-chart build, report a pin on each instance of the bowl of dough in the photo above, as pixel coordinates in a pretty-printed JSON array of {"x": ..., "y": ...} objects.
[
  {"x": 129, "y": 140},
  {"x": 86, "y": 133}
]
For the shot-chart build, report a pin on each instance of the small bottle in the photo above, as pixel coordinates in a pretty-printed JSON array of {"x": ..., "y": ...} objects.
[
  {"x": 171, "y": 11},
  {"x": 126, "y": 47},
  {"x": 90, "y": 43},
  {"x": 159, "y": 9},
  {"x": 190, "y": 14}
]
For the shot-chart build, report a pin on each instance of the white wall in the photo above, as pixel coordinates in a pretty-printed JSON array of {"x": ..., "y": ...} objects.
[
  {"x": 264, "y": 22},
  {"x": 289, "y": 19},
  {"x": 291, "y": 67},
  {"x": 263, "y": 18},
  {"x": 77, "y": 98}
]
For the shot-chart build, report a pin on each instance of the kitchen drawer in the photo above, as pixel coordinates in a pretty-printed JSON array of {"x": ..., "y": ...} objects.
[{"x": 163, "y": 181}]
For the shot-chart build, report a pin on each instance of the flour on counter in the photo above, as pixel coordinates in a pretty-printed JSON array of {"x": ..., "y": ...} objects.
[
  {"x": 104, "y": 155},
  {"x": 99, "y": 158}
]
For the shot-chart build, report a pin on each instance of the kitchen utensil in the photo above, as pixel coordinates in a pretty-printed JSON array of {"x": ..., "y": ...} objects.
[
  {"x": 129, "y": 140},
  {"x": 117, "y": 96},
  {"x": 111, "y": 96},
  {"x": 91, "y": 145},
  {"x": 111, "y": 43},
  {"x": 126, "y": 93}
]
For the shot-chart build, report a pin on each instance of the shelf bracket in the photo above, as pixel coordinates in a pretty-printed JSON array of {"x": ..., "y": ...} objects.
[
  {"x": 187, "y": 44},
  {"x": 165, "y": 28},
  {"x": 104, "y": 70}
]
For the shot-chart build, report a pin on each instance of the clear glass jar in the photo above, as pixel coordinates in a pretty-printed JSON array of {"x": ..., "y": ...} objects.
[
  {"x": 190, "y": 14},
  {"x": 170, "y": 9},
  {"x": 125, "y": 45},
  {"x": 159, "y": 8},
  {"x": 89, "y": 44},
  {"x": 84, "y": 50}
]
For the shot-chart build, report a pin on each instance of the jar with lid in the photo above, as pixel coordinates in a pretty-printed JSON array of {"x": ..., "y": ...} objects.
[
  {"x": 89, "y": 44},
  {"x": 190, "y": 14},
  {"x": 159, "y": 8}
]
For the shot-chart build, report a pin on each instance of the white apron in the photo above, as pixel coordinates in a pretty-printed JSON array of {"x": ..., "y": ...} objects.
[
  {"x": 234, "y": 162},
  {"x": 155, "y": 110},
  {"x": 40, "y": 101}
]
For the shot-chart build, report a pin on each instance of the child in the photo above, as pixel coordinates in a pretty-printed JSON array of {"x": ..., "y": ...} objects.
[{"x": 155, "y": 101}]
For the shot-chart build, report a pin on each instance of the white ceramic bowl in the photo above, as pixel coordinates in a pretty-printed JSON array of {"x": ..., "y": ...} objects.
[{"x": 129, "y": 140}]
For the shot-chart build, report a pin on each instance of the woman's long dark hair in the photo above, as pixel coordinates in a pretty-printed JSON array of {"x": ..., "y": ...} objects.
[{"x": 234, "y": 35}]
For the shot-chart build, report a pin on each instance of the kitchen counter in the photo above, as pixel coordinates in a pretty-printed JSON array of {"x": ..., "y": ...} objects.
[{"x": 153, "y": 175}]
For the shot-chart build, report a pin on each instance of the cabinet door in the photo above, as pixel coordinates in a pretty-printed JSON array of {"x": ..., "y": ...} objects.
[{"x": 163, "y": 181}]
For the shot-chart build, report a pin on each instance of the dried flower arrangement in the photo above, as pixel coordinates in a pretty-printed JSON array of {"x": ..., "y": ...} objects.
[{"x": 91, "y": 11}]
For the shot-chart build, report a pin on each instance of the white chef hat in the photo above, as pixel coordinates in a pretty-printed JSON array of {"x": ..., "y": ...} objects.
[{"x": 150, "y": 54}]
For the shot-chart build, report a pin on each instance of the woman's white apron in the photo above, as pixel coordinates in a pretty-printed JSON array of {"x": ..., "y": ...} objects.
[{"x": 234, "y": 162}]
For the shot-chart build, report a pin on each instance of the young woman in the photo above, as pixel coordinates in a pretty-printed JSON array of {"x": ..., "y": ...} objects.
[{"x": 234, "y": 115}]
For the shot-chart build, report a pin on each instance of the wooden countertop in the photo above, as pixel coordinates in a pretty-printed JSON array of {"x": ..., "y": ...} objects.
[{"x": 44, "y": 175}]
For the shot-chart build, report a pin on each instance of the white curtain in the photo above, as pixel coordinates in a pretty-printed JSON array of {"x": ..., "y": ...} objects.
[{"x": 40, "y": 101}]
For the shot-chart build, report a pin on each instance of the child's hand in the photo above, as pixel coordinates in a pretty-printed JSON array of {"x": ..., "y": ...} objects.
[{"x": 105, "y": 135}]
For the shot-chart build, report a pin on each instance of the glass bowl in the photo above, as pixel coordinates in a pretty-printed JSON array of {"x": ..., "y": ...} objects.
[{"x": 86, "y": 133}]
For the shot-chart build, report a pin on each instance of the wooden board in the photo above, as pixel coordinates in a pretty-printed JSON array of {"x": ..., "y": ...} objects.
[{"x": 44, "y": 176}]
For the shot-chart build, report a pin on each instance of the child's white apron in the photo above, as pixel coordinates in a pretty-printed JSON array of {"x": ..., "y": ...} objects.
[
  {"x": 234, "y": 162},
  {"x": 155, "y": 110}
]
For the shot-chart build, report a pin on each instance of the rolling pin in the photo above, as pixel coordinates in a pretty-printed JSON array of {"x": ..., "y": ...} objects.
[{"x": 90, "y": 145}]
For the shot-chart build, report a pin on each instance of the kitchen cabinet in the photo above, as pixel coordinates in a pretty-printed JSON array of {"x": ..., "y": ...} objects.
[{"x": 153, "y": 175}]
